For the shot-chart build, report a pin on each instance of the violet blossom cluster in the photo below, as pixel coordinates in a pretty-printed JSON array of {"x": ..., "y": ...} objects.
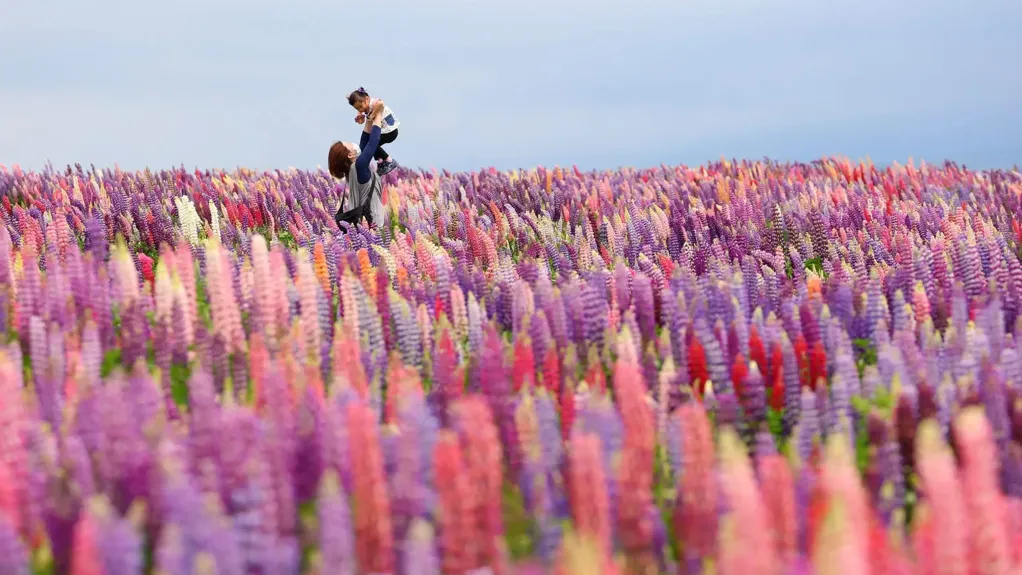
[{"x": 743, "y": 367}]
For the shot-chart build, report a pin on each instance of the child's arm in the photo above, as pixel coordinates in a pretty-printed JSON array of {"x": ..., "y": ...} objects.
[{"x": 377, "y": 109}]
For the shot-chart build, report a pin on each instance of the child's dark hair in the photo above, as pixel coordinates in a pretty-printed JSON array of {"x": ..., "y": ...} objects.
[
  {"x": 357, "y": 95},
  {"x": 338, "y": 161}
]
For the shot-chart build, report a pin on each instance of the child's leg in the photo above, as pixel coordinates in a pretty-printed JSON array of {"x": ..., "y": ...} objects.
[{"x": 381, "y": 155}]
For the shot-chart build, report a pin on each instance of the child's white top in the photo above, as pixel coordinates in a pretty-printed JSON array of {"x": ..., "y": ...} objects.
[{"x": 390, "y": 121}]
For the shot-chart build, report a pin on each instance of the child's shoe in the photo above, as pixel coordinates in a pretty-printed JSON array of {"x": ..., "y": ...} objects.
[{"x": 387, "y": 167}]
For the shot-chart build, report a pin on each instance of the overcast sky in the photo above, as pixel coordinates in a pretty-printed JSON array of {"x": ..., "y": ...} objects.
[{"x": 510, "y": 83}]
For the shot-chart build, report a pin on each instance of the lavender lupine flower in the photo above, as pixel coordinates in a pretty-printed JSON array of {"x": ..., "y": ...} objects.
[
  {"x": 808, "y": 429},
  {"x": 419, "y": 555},
  {"x": 336, "y": 538},
  {"x": 13, "y": 555}
]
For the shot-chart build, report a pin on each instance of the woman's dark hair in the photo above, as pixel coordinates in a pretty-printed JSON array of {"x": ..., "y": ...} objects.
[
  {"x": 338, "y": 161},
  {"x": 357, "y": 95}
]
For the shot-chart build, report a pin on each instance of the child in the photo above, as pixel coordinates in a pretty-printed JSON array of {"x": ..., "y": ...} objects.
[{"x": 368, "y": 108}]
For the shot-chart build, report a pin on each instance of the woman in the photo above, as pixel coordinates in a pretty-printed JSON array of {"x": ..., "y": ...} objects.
[{"x": 365, "y": 191}]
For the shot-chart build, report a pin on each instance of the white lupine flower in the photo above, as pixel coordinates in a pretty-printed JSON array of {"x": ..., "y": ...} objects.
[
  {"x": 189, "y": 219},
  {"x": 214, "y": 219}
]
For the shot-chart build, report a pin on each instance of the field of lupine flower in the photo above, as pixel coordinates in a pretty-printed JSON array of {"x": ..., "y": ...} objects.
[{"x": 739, "y": 368}]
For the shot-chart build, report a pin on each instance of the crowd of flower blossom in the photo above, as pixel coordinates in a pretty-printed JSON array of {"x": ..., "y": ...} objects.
[{"x": 740, "y": 368}]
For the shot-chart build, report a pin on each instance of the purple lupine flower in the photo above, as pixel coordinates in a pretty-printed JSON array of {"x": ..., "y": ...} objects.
[
  {"x": 642, "y": 293},
  {"x": 808, "y": 428},
  {"x": 753, "y": 400},
  {"x": 594, "y": 315},
  {"x": 495, "y": 384},
  {"x": 120, "y": 545},
  {"x": 412, "y": 481},
  {"x": 887, "y": 488}
]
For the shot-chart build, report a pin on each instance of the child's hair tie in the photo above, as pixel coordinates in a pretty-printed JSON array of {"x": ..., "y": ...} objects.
[{"x": 361, "y": 90}]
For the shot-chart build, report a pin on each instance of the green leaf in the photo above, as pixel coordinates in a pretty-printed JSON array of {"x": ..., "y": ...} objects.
[
  {"x": 111, "y": 359},
  {"x": 775, "y": 422},
  {"x": 179, "y": 376},
  {"x": 519, "y": 524}
]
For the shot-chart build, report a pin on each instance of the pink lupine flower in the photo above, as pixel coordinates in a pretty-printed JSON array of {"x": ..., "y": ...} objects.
[
  {"x": 587, "y": 489},
  {"x": 989, "y": 545},
  {"x": 373, "y": 534},
  {"x": 13, "y": 457},
  {"x": 636, "y": 465},
  {"x": 309, "y": 293},
  {"x": 941, "y": 530},
  {"x": 457, "y": 498},
  {"x": 348, "y": 371},
  {"x": 746, "y": 545},
  {"x": 262, "y": 312},
  {"x": 778, "y": 488},
  {"x": 86, "y": 558},
  {"x": 695, "y": 513},
  {"x": 841, "y": 542},
  {"x": 484, "y": 466}
]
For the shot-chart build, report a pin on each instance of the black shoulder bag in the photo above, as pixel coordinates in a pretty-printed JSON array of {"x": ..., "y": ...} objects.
[{"x": 353, "y": 216}]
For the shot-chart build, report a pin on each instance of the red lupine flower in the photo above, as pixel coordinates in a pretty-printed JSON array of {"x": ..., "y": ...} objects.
[
  {"x": 552, "y": 370},
  {"x": 739, "y": 372},
  {"x": 817, "y": 365},
  {"x": 596, "y": 379},
  {"x": 777, "y": 388},
  {"x": 567, "y": 409},
  {"x": 802, "y": 359},
  {"x": 757, "y": 352},
  {"x": 523, "y": 368},
  {"x": 698, "y": 372}
]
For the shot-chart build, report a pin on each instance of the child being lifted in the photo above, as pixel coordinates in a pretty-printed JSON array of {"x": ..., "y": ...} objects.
[{"x": 368, "y": 109}]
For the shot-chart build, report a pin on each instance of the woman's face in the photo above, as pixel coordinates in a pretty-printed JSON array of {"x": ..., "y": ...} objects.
[{"x": 352, "y": 150}]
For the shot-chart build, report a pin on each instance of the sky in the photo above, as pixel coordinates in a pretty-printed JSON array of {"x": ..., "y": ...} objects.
[{"x": 510, "y": 84}]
